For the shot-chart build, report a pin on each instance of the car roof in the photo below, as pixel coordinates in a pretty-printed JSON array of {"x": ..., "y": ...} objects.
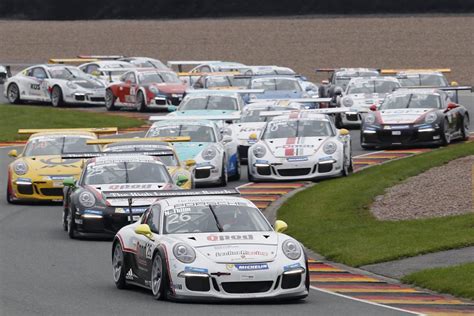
[
  {"x": 207, "y": 93},
  {"x": 124, "y": 158},
  {"x": 373, "y": 78},
  {"x": 206, "y": 199},
  {"x": 297, "y": 115},
  {"x": 157, "y": 144},
  {"x": 183, "y": 122},
  {"x": 403, "y": 91}
]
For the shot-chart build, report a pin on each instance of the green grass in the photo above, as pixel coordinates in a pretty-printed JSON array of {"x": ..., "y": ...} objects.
[
  {"x": 333, "y": 217},
  {"x": 14, "y": 117},
  {"x": 456, "y": 280}
]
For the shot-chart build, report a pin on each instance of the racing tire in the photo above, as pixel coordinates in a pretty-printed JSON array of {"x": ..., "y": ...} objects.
[
  {"x": 465, "y": 127},
  {"x": 13, "y": 94},
  {"x": 338, "y": 121},
  {"x": 71, "y": 225},
  {"x": 141, "y": 104},
  {"x": 362, "y": 142},
  {"x": 57, "y": 98},
  {"x": 307, "y": 281},
  {"x": 9, "y": 197},
  {"x": 347, "y": 170},
  {"x": 118, "y": 266},
  {"x": 159, "y": 277},
  {"x": 110, "y": 100},
  {"x": 65, "y": 223},
  {"x": 445, "y": 136},
  {"x": 237, "y": 175},
  {"x": 223, "y": 178}
]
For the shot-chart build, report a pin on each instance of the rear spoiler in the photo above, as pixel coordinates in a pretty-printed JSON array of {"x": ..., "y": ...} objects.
[
  {"x": 101, "y": 57},
  {"x": 95, "y": 130},
  {"x": 109, "y": 71},
  {"x": 456, "y": 90},
  {"x": 169, "y": 193},
  {"x": 105, "y": 141},
  {"x": 240, "y": 91},
  {"x": 200, "y": 74},
  {"x": 194, "y": 118},
  {"x": 314, "y": 111},
  {"x": 396, "y": 71},
  {"x": 181, "y": 63},
  {"x": 154, "y": 153},
  {"x": 71, "y": 60},
  {"x": 303, "y": 100}
]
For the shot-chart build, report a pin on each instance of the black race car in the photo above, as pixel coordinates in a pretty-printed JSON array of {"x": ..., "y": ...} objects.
[{"x": 412, "y": 117}]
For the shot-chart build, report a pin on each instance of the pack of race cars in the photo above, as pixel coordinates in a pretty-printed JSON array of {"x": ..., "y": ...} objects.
[{"x": 186, "y": 243}]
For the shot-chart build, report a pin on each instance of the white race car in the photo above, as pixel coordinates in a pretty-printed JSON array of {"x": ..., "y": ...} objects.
[
  {"x": 209, "y": 247},
  {"x": 58, "y": 84},
  {"x": 300, "y": 145}
]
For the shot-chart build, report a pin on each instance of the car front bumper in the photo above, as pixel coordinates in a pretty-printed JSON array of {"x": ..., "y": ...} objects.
[{"x": 406, "y": 136}]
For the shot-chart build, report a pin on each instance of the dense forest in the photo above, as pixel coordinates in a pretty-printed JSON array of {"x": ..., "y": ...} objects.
[{"x": 156, "y": 9}]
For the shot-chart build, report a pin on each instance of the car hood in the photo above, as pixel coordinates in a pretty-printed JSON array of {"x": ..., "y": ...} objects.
[
  {"x": 294, "y": 146},
  {"x": 53, "y": 165},
  {"x": 88, "y": 83},
  {"x": 206, "y": 113},
  {"x": 170, "y": 88},
  {"x": 121, "y": 188},
  {"x": 402, "y": 116},
  {"x": 244, "y": 130},
  {"x": 189, "y": 150},
  {"x": 242, "y": 247}
]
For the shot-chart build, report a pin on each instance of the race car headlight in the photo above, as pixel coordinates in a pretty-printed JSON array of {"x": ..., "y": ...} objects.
[
  {"x": 430, "y": 118},
  {"x": 370, "y": 119},
  {"x": 87, "y": 199},
  {"x": 72, "y": 85},
  {"x": 330, "y": 148},
  {"x": 209, "y": 153},
  {"x": 259, "y": 151},
  {"x": 184, "y": 253},
  {"x": 154, "y": 90},
  {"x": 20, "y": 168},
  {"x": 347, "y": 102},
  {"x": 291, "y": 249}
]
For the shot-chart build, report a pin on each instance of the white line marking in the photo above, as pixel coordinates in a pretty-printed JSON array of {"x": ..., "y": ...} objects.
[{"x": 366, "y": 302}]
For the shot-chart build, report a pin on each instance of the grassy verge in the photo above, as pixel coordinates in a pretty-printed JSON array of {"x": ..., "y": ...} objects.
[
  {"x": 14, "y": 117},
  {"x": 333, "y": 217},
  {"x": 457, "y": 280}
]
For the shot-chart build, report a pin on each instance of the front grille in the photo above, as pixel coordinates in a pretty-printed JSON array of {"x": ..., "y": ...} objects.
[
  {"x": 325, "y": 167},
  {"x": 52, "y": 191},
  {"x": 202, "y": 173},
  {"x": 405, "y": 137},
  {"x": 25, "y": 189},
  {"x": 80, "y": 97},
  {"x": 176, "y": 101},
  {"x": 290, "y": 281},
  {"x": 294, "y": 172},
  {"x": 243, "y": 151},
  {"x": 352, "y": 117},
  {"x": 97, "y": 99},
  {"x": 263, "y": 171},
  {"x": 247, "y": 287},
  {"x": 160, "y": 101},
  {"x": 198, "y": 284}
]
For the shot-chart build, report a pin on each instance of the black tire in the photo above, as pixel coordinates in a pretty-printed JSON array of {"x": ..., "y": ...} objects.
[
  {"x": 71, "y": 225},
  {"x": 237, "y": 176},
  {"x": 141, "y": 103},
  {"x": 65, "y": 219},
  {"x": 110, "y": 100},
  {"x": 57, "y": 99},
  {"x": 445, "y": 136},
  {"x": 9, "y": 197},
  {"x": 160, "y": 292},
  {"x": 349, "y": 169},
  {"x": 338, "y": 121},
  {"x": 13, "y": 94},
  {"x": 119, "y": 266},
  {"x": 465, "y": 127},
  {"x": 307, "y": 282},
  {"x": 223, "y": 178}
]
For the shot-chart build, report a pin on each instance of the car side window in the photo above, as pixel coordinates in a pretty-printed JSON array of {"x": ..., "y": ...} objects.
[
  {"x": 129, "y": 77},
  {"x": 92, "y": 68},
  {"x": 153, "y": 218},
  {"x": 38, "y": 73},
  {"x": 205, "y": 69}
]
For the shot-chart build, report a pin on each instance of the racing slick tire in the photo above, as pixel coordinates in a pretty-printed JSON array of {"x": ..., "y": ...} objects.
[
  {"x": 237, "y": 175},
  {"x": 57, "y": 99},
  {"x": 13, "y": 94},
  {"x": 465, "y": 127},
  {"x": 307, "y": 281},
  {"x": 141, "y": 104},
  {"x": 119, "y": 267},
  {"x": 338, "y": 121},
  {"x": 159, "y": 277},
  {"x": 10, "y": 200},
  {"x": 110, "y": 100},
  {"x": 65, "y": 223},
  {"x": 445, "y": 136},
  {"x": 71, "y": 225},
  {"x": 223, "y": 178},
  {"x": 347, "y": 170}
]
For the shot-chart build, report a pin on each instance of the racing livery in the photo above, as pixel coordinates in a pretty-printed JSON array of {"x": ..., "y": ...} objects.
[
  {"x": 415, "y": 117},
  {"x": 55, "y": 84},
  {"x": 300, "y": 145},
  {"x": 209, "y": 247}
]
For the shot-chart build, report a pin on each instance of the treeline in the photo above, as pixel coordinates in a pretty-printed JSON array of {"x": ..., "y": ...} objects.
[{"x": 156, "y": 9}]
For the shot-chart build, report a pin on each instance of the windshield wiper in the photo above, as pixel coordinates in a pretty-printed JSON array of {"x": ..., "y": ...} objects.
[
  {"x": 207, "y": 102},
  {"x": 62, "y": 145},
  {"x": 215, "y": 218},
  {"x": 409, "y": 100},
  {"x": 126, "y": 172}
]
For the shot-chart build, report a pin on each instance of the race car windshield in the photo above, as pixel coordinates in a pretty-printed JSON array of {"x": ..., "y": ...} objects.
[
  {"x": 198, "y": 133},
  {"x": 43, "y": 146},
  {"x": 213, "y": 102},
  {"x": 218, "y": 82},
  {"x": 373, "y": 86},
  {"x": 342, "y": 79},
  {"x": 125, "y": 172},
  {"x": 278, "y": 84},
  {"x": 169, "y": 161},
  {"x": 412, "y": 101},
  {"x": 65, "y": 73},
  {"x": 432, "y": 80},
  {"x": 158, "y": 77},
  {"x": 226, "y": 217},
  {"x": 297, "y": 128}
]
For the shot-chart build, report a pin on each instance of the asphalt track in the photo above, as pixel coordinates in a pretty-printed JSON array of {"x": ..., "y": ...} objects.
[{"x": 43, "y": 272}]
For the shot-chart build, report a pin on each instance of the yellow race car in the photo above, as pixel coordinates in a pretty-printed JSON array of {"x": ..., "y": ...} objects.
[
  {"x": 180, "y": 171},
  {"x": 37, "y": 173}
]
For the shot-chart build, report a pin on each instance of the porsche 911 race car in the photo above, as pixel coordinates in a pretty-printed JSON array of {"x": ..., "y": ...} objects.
[
  {"x": 414, "y": 117},
  {"x": 106, "y": 70},
  {"x": 179, "y": 171},
  {"x": 37, "y": 173},
  {"x": 87, "y": 207},
  {"x": 145, "y": 88},
  {"x": 360, "y": 94},
  {"x": 215, "y": 154},
  {"x": 206, "y": 246},
  {"x": 58, "y": 84},
  {"x": 300, "y": 145}
]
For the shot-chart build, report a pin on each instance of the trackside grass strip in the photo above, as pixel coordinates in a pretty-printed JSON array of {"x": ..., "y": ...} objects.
[
  {"x": 14, "y": 117},
  {"x": 457, "y": 280},
  {"x": 333, "y": 217}
]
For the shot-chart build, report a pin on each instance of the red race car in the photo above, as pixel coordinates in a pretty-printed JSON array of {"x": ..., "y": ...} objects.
[{"x": 145, "y": 88}]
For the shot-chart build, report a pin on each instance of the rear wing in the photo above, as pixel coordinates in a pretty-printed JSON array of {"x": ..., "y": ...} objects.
[
  {"x": 154, "y": 153},
  {"x": 303, "y": 100},
  {"x": 105, "y": 141},
  {"x": 95, "y": 130},
  {"x": 180, "y": 63},
  {"x": 101, "y": 57},
  {"x": 409, "y": 70},
  {"x": 168, "y": 193},
  {"x": 71, "y": 60},
  {"x": 455, "y": 89},
  {"x": 214, "y": 73},
  {"x": 194, "y": 118},
  {"x": 314, "y": 111}
]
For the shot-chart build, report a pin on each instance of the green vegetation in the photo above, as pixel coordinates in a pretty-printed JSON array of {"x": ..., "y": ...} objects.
[
  {"x": 14, "y": 117},
  {"x": 333, "y": 217},
  {"x": 457, "y": 280}
]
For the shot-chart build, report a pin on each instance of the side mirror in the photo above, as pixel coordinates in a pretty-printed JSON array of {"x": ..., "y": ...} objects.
[
  {"x": 182, "y": 179},
  {"x": 69, "y": 182},
  {"x": 172, "y": 108},
  {"x": 190, "y": 163},
  {"x": 280, "y": 226},
  {"x": 227, "y": 139},
  {"x": 451, "y": 106},
  {"x": 454, "y": 83},
  {"x": 373, "y": 107},
  {"x": 13, "y": 153},
  {"x": 144, "y": 229},
  {"x": 343, "y": 132},
  {"x": 325, "y": 81}
]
